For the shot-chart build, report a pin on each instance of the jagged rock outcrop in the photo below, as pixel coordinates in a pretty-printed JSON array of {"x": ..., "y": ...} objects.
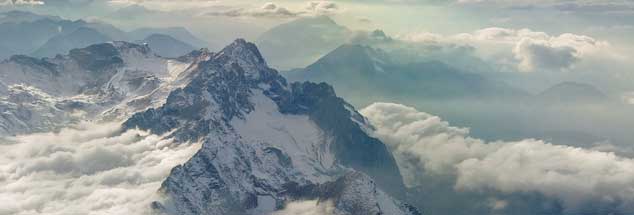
[
  {"x": 261, "y": 137},
  {"x": 108, "y": 81}
]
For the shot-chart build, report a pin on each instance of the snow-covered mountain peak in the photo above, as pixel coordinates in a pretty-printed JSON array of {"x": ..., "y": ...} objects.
[
  {"x": 261, "y": 137},
  {"x": 244, "y": 54},
  {"x": 108, "y": 81}
]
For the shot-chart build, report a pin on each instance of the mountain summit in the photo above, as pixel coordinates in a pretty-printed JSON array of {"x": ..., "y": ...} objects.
[
  {"x": 572, "y": 92},
  {"x": 267, "y": 143}
]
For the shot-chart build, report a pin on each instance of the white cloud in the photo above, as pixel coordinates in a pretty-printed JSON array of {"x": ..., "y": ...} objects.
[
  {"x": 21, "y": 2},
  {"x": 322, "y": 7},
  {"x": 424, "y": 143},
  {"x": 269, "y": 9},
  {"x": 526, "y": 50},
  {"x": 309, "y": 207},
  {"x": 538, "y": 54},
  {"x": 274, "y": 10},
  {"x": 92, "y": 169},
  {"x": 423, "y": 37},
  {"x": 167, "y": 5}
]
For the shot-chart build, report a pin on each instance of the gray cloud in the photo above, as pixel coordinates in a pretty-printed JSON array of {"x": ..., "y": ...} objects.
[{"x": 92, "y": 169}]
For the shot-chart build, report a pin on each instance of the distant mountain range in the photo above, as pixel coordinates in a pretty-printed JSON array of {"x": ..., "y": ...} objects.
[
  {"x": 167, "y": 46},
  {"x": 46, "y": 36},
  {"x": 493, "y": 109},
  {"x": 177, "y": 33},
  {"x": 61, "y": 44},
  {"x": 364, "y": 74},
  {"x": 573, "y": 92},
  {"x": 301, "y": 41}
]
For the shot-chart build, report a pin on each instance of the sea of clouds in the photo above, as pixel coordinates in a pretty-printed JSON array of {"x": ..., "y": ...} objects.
[
  {"x": 425, "y": 144},
  {"x": 88, "y": 169}
]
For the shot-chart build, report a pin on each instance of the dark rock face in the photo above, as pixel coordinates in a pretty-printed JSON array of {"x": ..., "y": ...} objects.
[
  {"x": 43, "y": 64},
  {"x": 219, "y": 178},
  {"x": 200, "y": 168},
  {"x": 337, "y": 190},
  {"x": 229, "y": 87},
  {"x": 97, "y": 57},
  {"x": 220, "y": 82},
  {"x": 353, "y": 147}
]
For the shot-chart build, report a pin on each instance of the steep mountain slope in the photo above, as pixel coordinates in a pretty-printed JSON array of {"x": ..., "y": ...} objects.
[
  {"x": 301, "y": 41},
  {"x": 103, "y": 81},
  {"x": 266, "y": 143},
  {"x": 167, "y": 46}
]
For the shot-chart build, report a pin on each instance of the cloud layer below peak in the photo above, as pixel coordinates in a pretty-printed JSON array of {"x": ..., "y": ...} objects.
[
  {"x": 424, "y": 144},
  {"x": 92, "y": 169}
]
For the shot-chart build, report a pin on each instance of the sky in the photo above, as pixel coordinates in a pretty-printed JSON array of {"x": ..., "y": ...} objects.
[
  {"x": 592, "y": 17},
  {"x": 566, "y": 25}
]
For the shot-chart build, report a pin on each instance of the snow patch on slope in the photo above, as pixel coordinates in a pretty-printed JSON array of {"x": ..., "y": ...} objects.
[{"x": 296, "y": 135}]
